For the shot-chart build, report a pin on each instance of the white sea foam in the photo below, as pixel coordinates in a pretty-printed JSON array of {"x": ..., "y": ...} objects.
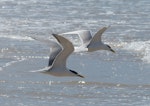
[
  {"x": 12, "y": 62},
  {"x": 16, "y": 37},
  {"x": 140, "y": 47},
  {"x": 110, "y": 13}
]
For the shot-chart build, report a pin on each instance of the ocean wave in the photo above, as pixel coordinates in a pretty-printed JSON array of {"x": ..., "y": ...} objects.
[
  {"x": 7, "y": 64},
  {"x": 26, "y": 38},
  {"x": 140, "y": 47},
  {"x": 81, "y": 83}
]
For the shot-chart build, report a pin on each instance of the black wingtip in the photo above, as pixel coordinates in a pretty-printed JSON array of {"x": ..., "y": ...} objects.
[
  {"x": 77, "y": 74},
  {"x": 54, "y": 34},
  {"x": 112, "y": 51},
  {"x": 81, "y": 76}
]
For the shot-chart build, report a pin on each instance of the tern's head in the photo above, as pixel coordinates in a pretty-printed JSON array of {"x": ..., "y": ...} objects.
[
  {"x": 76, "y": 74},
  {"x": 109, "y": 48}
]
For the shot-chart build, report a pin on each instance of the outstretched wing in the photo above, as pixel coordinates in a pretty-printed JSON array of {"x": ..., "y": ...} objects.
[
  {"x": 85, "y": 35},
  {"x": 55, "y": 48},
  {"x": 54, "y": 51},
  {"x": 41, "y": 70},
  {"x": 67, "y": 49},
  {"x": 43, "y": 40},
  {"x": 97, "y": 36}
]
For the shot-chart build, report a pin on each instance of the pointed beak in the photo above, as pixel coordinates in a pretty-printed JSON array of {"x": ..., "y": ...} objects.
[{"x": 112, "y": 50}]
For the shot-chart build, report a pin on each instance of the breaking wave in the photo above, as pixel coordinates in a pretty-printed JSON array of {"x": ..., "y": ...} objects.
[
  {"x": 140, "y": 47},
  {"x": 16, "y": 37}
]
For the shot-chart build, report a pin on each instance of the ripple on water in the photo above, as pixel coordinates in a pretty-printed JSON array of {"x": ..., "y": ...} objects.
[{"x": 72, "y": 91}]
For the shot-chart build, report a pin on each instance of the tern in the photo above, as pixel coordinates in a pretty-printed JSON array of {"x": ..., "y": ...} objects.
[
  {"x": 57, "y": 62},
  {"x": 55, "y": 48},
  {"x": 90, "y": 43}
]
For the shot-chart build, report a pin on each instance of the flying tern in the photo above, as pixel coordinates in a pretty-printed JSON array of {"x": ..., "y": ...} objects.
[
  {"x": 91, "y": 43},
  {"x": 57, "y": 62}
]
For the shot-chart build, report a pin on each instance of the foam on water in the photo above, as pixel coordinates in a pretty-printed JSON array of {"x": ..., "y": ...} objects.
[
  {"x": 16, "y": 37},
  {"x": 142, "y": 48},
  {"x": 111, "y": 79}
]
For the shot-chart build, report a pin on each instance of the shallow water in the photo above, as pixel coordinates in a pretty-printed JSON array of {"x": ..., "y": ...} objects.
[{"x": 120, "y": 79}]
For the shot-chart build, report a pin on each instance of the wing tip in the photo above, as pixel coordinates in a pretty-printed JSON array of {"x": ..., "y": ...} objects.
[{"x": 54, "y": 34}]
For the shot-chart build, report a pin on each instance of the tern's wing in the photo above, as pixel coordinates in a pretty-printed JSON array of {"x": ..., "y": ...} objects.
[
  {"x": 40, "y": 39},
  {"x": 41, "y": 70},
  {"x": 54, "y": 51},
  {"x": 85, "y": 35},
  {"x": 97, "y": 36},
  {"x": 55, "y": 48},
  {"x": 68, "y": 48}
]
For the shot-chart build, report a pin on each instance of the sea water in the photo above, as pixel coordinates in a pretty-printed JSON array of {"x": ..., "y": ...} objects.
[{"x": 111, "y": 79}]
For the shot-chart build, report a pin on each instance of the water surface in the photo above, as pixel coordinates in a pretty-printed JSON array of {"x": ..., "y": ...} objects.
[{"x": 120, "y": 79}]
